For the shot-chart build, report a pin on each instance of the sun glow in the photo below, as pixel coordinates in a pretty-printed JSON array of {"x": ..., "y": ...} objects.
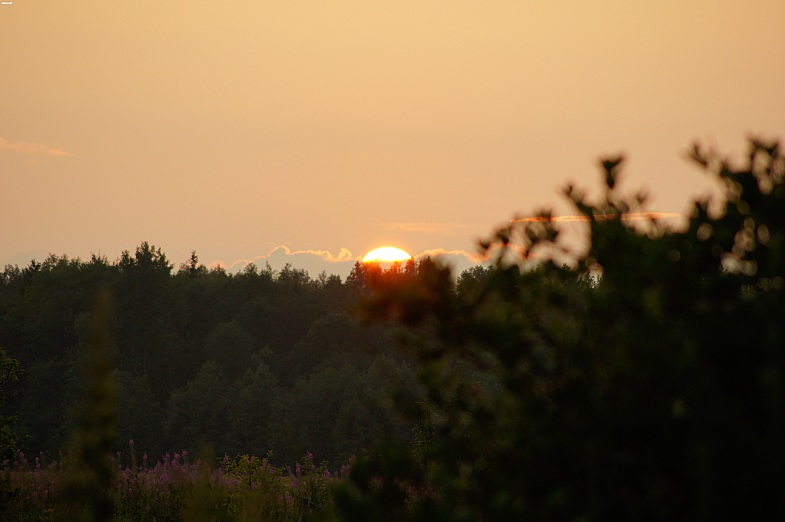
[{"x": 386, "y": 254}]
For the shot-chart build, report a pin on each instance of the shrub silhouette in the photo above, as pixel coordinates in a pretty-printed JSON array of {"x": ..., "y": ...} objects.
[{"x": 654, "y": 392}]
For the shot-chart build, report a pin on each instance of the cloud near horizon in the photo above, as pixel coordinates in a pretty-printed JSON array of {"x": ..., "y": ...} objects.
[
  {"x": 38, "y": 149},
  {"x": 440, "y": 252},
  {"x": 344, "y": 256},
  {"x": 314, "y": 261}
]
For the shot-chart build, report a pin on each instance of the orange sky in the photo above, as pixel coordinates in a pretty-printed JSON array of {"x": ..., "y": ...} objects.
[{"x": 235, "y": 127}]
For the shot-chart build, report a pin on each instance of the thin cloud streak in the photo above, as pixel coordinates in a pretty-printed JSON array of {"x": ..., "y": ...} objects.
[
  {"x": 38, "y": 149},
  {"x": 632, "y": 216},
  {"x": 424, "y": 227}
]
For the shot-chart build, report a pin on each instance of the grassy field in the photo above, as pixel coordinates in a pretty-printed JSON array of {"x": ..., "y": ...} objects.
[{"x": 174, "y": 488}]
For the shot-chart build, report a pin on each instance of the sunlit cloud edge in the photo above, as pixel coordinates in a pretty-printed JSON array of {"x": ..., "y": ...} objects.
[{"x": 344, "y": 256}]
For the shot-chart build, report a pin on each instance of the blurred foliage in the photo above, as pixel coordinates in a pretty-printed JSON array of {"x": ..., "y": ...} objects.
[
  {"x": 86, "y": 494},
  {"x": 648, "y": 383}
]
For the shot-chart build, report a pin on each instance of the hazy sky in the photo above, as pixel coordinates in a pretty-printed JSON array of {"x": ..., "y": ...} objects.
[{"x": 235, "y": 127}]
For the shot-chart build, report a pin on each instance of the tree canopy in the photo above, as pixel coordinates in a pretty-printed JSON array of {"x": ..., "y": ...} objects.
[{"x": 203, "y": 357}]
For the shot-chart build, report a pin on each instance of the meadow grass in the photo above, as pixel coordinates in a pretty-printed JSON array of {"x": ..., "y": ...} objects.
[{"x": 243, "y": 488}]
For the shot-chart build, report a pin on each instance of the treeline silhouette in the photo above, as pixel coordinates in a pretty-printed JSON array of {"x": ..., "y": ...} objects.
[{"x": 258, "y": 361}]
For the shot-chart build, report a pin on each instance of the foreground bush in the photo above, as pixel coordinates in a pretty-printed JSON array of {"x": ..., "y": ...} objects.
[{"x": 656, "y": 392}]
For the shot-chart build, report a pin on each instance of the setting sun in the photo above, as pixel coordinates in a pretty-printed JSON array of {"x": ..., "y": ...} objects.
[{"x": 386, "y": 254}]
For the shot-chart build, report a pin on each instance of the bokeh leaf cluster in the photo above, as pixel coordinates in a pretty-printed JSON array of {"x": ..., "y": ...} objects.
[{"x": 645, "y": 382}]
